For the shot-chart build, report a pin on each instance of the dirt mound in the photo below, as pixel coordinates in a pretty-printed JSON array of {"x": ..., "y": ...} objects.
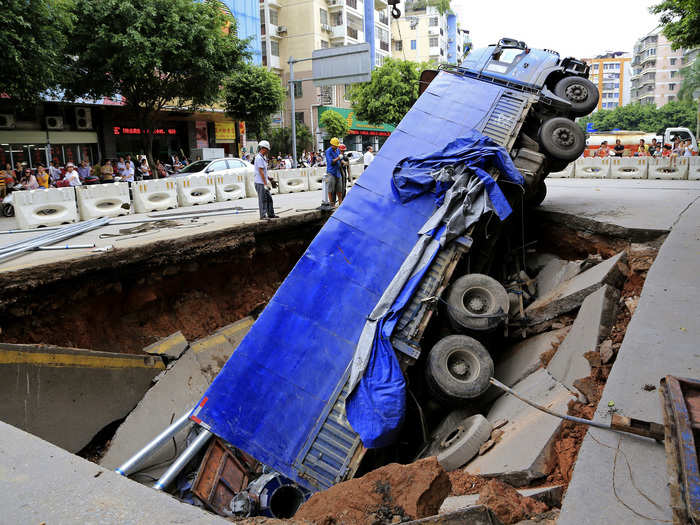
[
  {"x": 392, "y": 493},
  {"x": 507, "y": 504},
  {"x": 465, "y": 483}
]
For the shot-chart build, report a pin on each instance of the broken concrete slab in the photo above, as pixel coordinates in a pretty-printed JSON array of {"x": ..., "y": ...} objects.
[
  {"x": 534, "y": 262},
  {"x": 525, "y": 446},
  {"x": 67, "y": 395},
  {"x": 176, "y": 392},
  {"x": 554, "y": 273},
  {"x": 476, "y": 515},
  {"x": 593, "y": 324},
  {"x": 171, "y": 347},
  {"x": 213, "y": 351},
  {"x": 42, "y": 483},
  {"x": 570, "y": 294},
  {"x": 551, "y": 496}
]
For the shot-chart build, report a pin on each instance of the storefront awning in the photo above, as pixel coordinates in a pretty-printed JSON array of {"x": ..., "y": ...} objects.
[
  {"x": 358, "y": 127},
  {"x": 55, "y": 137}
]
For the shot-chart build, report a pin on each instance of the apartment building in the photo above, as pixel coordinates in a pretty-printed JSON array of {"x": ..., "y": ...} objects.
[
  {"x": 247, "y": 15},
  {"x": 293, "y": 28},
  {"x": 458, "y": 40},
  {"x": 422, "y": 34},
  {"x": 656, "y": 69},
  {"x": 612, "y": 72}
]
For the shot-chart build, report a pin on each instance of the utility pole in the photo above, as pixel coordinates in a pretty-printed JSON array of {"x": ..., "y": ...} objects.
[{"x": 291, "y": 63}]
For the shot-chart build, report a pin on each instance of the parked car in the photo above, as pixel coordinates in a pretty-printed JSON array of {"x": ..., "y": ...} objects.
[
  {"x": 230, "y": 165},
  {"x": 355, "y": 157}
]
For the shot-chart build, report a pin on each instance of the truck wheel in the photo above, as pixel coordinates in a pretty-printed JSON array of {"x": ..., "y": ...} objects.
[
  {"x": 458, "y": 369},
  {"x": 538, "y": 196},
  {"x": 581, "y": 92},
  {"x": 473, "y": 296},
  {"x": 556, "y": 165},
  {"x": 562, "y": 138},
  {"x": 458, "y": 443}
]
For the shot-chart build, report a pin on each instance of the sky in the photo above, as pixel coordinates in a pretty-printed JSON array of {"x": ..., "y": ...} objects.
[{"x": 579, "y": 29}]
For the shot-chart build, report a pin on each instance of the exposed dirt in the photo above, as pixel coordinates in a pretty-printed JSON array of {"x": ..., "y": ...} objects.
[
  {"x": 465, "y": 483},
  {"x": 507, "y": 504},
  {"x": 390, "y": 494},
  {"x": 124, "y": 304}
]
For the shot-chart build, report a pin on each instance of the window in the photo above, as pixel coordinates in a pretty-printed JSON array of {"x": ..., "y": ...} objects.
[
  {"x": 433, "y": 21},
  {"x": 275, "y": 48},
  {"x": 673, "y": 61},
  {"x": 324, "y": 16},
  {"x": 671, "y": 97},
  {"x": 413, "y": 44},
  {"x": 346, "y": 91},
  {"x": 324, "y": 44},
  {"x": 398, "y": 45},
  {"x": 351, "y": 3},
  {"x": 378, "y": 60},
  {"x": 673, "y": 74},
  {"x": 274, "y": 20},
  {"x": 299, "y": 116},
  {"x": 671, "y": 87},
  {"x": 337, "y": 19},
  {"x": 433, "y": 41},
  {"x": 298, "y": 92}
]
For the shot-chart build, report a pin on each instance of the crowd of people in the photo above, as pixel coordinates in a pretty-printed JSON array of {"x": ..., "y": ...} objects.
[
  {"x": 679, "y": 148},
  {"x": 308, "y": 159},
  {"x": 122, "y": 169}
]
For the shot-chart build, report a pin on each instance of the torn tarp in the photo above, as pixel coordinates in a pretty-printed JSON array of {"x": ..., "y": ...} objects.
[{"x": 464, "y": 192}]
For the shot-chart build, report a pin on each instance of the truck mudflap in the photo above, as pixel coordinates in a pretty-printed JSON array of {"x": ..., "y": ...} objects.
[{"x": 326, "y": 457}]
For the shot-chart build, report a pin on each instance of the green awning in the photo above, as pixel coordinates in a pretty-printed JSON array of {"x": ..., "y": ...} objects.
[{"x": 354, "y": 123}]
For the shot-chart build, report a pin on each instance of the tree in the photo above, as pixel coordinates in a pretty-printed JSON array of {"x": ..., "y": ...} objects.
[
  {"x": 281, "y": 140},
  {"x": 691, "y": 80},
  {"x": 391, "y": 92},
  {"x": 33, "y": 36},
  {"x": 334, "y": 123},
  {"x": 644, "y": 117},
  {"x": 681, "y": 21},
  {"x": 252, "y": 94},
  {"x": 154, "y": 53}
]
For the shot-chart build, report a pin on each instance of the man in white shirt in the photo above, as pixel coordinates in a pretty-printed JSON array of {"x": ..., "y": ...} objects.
[
  {"x": 72, "y": 175},
  {"x": 120, "y": 167},
  {"x": 262, "y": 182},
  {"x": 128, "y": 173},
  {"x": 368, "y": 157}
]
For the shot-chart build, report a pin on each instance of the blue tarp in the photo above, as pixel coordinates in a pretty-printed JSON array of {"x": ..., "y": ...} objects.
[{"x": 276, "y": 386}]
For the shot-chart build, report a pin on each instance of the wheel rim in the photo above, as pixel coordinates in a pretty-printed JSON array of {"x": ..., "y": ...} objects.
[
  {"x": 478, "y": 301},
  {"x": 577, "y": 93},
  {"x": 563, "y": 137},
  {"x": 462, "y": 365}
]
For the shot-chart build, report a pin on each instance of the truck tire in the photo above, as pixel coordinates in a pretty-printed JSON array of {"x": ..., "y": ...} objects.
[
  {"x": 562, "y": 138},
  {"x": 538, "y": 195},
  {"x": 580, "y": 92},
  {"x": 475, "y": 295},
  {"x": 455, "y": 444},
  {"x": 556, "y": 165},
  {"x": 458, "y": 368}
]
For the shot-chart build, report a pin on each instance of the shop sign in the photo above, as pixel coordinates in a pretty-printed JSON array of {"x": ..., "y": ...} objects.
[
  {"x": 225, "y": 130},
  {"x": 202, "y": 136},
  {"x": 358, "y": 127},
  {"x": 119, "y": 130}
]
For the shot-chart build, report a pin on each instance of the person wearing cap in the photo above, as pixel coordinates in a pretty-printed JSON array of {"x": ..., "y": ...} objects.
[
  {"x": 71, "y": 176},
  {"x": 262, "y": 183},
  {"x": 333, "y": 180}
]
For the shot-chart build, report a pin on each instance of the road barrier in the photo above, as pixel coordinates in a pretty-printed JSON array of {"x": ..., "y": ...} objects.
[
  {"x": 103, "y": 200},
  {"x": 355, "y": 172},
  {"x": 196, "y": 189},
  {"x": 45, "y": 207},
  {"x": 592, "y": 168},
  {"x": 230, "y": 187},
  {"x": 669, "y": 168},
  {"x": 629, "y": 167},
  {"x": 154, "y": 195},
  {"x": 315, "y": 178},
  {"x": 694, "y": 168},
  {"x": 292, "y": 181},
  {"x": 566, "y": 173}
]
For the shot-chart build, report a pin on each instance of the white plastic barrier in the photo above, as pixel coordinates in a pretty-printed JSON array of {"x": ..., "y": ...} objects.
[
  {"x": 566, "y": 173},
  {"x": 250, "y": 185},
  {"x": 315, "y": 178},
  {"x": 694, "y": 168},
  {"x": 592, "y": 168},
  {"x": 629, "y": 167},
  {"x": 154, "y": 195},
  {"x": 230, "y": 187},
  {"x": 292, "y": 181},
  {"x": 355, "y": 172},
  {"x": 196, "y": 189},
  {"x": 45, "y": 207},
  {"x": 103, "y": 200},
  {"x": 668, "y": 168}
]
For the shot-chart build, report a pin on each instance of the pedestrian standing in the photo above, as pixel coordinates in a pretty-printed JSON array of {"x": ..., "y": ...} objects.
[
  {"x": 368, "y": 157},
  {"x": 262, "y": 183},
  {"x": 333, "y": 182}
]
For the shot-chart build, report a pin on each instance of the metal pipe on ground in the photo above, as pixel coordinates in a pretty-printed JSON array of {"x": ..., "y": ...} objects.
[
  {"x": 68, "y": 247},
  {"x": 184, "y": 458},
  {"x": 43, "y": 235}
]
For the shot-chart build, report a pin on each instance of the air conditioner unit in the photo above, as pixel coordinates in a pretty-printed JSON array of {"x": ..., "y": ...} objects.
[
  {"x": 281, "y": 30},
  {"x": 325, "y": 27},
  {"x": 83, "y": 118},
  {"x": 54, "y": 122},
  {"x": 7, "y": 121}
]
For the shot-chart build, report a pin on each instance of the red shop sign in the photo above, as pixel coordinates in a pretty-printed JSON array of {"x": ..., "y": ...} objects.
[{"x": 119, "y": 130}]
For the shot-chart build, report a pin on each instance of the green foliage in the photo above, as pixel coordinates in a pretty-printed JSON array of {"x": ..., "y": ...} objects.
[
  {"x": 644, "y": 117},
  {"x": 33, "y": 36},
  {"x": 681, "y": 21},
  {"x": 334, "y": 123},
  {"x": 153, "y": 53},
  {"x": 691, "y": 80},
  {"x": 252, "y": 94},
  {"x": 281, "y": 140},
  {"x": 391, "y": 92}
]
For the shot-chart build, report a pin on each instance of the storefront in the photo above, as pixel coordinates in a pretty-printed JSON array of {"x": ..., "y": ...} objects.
[
  {"x": 35, "y": 147},
  {"x": 169, "y": 138},
  {"x": 362, "y": 133}
]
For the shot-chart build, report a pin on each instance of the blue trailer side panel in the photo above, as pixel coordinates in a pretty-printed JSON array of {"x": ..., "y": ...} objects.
[{"x": 276, "y": 387}]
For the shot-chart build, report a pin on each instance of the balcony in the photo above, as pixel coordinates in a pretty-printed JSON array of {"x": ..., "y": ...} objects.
[
  {"x": 273, "y": 61},
  {"x": 384, "y": 46},
  {"x": 335, "y": 5},
  {"x": 380, "y": 4},
  {"x": 356, "y": 34},
  {"x": 274, "y": 31},
  {"x": 270, "y": 3},
  {"x": 383, "y": 19},
  {"x": 338, "y": 32},
  {"x": 435, "y": 30},
  {"x": 434, "y": 51}
]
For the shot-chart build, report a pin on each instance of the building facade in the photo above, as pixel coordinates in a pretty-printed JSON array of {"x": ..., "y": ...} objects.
[
  {"x": 656, "y": 69},
  {"x": 247, "y": 15},
  {"x": 423, "y": 35},
  {"x": 612, "y": 72}
]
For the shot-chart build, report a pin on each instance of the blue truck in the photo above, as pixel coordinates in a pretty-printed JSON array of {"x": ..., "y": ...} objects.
[{"x": 326, "y": 371}]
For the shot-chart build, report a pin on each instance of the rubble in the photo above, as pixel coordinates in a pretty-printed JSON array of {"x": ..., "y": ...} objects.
[
  {"x": 171, "y": 347},
  {"x": 476, "y": 515},
  {"x": 554, "y": 273},
  {"x": 522, "y": 454},
  {"x": 592, "y": 325},
  {"x": 392, "y": 492},
  {"x": 507, "y": 504},
  {"x": 570, "y": 294},
  {"x": 550, "y": 496}
]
